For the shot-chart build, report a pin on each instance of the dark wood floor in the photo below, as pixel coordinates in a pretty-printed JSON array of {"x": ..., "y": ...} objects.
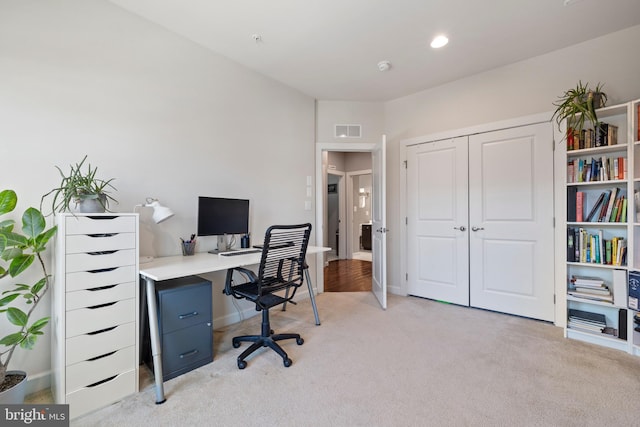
[{"x": 347, "y": 275}]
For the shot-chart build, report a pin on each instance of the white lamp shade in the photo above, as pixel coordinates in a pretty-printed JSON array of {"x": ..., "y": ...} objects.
[{"x": 160, "y": 213}]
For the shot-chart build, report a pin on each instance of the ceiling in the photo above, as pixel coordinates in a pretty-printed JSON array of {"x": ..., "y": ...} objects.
[{"x": 329, "y": 49}]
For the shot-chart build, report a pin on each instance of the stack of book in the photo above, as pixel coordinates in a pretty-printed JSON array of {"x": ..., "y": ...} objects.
[
  {"x": 586, "y": 321},
  {"x": 591, "y": 288}
]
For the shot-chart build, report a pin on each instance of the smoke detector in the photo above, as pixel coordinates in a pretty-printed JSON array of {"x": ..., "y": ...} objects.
[{"x": 384, "y": 65}]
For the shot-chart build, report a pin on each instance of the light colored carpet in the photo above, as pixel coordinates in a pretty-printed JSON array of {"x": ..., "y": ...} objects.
[{"x": 419, "y": 363}]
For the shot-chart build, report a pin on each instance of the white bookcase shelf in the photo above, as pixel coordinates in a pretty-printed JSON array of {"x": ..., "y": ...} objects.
[{"x": 618, "y": 317}]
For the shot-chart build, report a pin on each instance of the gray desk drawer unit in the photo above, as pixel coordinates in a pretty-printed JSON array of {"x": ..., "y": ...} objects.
[
  {"x": 95, "y": 310},
  {"x": 184, "y": 324}
]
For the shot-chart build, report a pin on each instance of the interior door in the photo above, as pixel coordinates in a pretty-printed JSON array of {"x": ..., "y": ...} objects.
[
  {"x": 379, "y": 223},
  {"x": 511, "y": 220},
  {"x": 437, "y": 220}
]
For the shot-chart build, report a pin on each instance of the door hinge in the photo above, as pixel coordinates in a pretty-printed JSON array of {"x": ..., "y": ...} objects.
[
  {"x": 406, "y": 220},
  {"x": 405, "y": 164},
  {"x": 553, "y": 145},
  {"x": 554, "y": 222},
  {"x": 406, "y": 276},
  {"x": 554, "y": 299}
]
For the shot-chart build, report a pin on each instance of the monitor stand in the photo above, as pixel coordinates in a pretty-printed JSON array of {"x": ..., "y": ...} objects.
[{"x": 222, "y": 245}]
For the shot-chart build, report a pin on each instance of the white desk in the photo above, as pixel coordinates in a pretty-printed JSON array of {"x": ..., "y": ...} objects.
[{"x": 165, "y": 268}]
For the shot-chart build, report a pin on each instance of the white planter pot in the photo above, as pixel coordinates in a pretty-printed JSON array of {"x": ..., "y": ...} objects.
[{"x": 16, "y": 394}]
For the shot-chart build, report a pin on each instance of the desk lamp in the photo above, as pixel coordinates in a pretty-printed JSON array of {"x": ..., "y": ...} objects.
[{"x": 160, "y": 213}]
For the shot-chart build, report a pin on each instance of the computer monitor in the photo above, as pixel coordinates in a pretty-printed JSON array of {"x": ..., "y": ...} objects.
[{"x": 219, "y": 216}]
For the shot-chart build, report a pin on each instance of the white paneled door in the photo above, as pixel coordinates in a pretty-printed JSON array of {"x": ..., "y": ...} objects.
[
  {"x": 438, "y": 246},
  {"x": 511, "y": 221},
  {"x": 480, "y": 221}
]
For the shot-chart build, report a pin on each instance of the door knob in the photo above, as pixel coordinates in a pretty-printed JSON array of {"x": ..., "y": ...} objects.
[
  {"x": 474, "y": 228},
  {"x": 461, "y": 228}
]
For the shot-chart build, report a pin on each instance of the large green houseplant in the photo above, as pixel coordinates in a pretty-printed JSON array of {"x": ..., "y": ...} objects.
[
  {"x": 19, "y": 249},
  {"x": 578, "y": 106},
  {"x": 81, "y": 190}
]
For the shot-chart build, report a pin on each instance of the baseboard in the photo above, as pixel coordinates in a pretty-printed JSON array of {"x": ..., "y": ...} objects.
[{"x": 38, "y": 382}]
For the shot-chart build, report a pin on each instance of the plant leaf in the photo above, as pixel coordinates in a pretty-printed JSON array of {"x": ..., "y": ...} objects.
[
  {"x": 33, "y": 222},
  {"x": 28, "y": 342},
  {"x": 39, "y": 324},
  {"x": 17, "y": 316},
  {"x": 12, "y": 339},
  {"x": 6, "y": 300},
  {"x": 20, "y": 264},
  {"x": 38, "y": 286},
  {"x": 8, "y": 201}
]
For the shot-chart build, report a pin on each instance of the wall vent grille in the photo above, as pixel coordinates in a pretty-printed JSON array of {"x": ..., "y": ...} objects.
[{"x": 348, "y": 131}]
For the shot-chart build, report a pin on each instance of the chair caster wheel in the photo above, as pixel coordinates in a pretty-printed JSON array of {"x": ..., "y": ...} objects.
[
  {"x": 236, "y": 344},
  {"x": 242, "y": 364},
  {"x": 299, "y": 341},
  {"x": 287, "y": 362}
]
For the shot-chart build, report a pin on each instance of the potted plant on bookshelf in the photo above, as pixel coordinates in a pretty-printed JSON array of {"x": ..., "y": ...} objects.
[
  {"x": 18, "y": 301},
  {"x": 578, "y": 105},
  {"x": 80, "y": 190}
]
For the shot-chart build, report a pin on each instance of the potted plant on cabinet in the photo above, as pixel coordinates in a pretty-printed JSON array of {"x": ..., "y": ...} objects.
[
  {"x": 578, "y": 105},
  {"x": 80, "y": 191},
  {"x": 18, "y": 251}
]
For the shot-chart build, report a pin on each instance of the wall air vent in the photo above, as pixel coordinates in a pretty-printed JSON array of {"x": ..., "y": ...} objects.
[{"x": 348, "y": 131}]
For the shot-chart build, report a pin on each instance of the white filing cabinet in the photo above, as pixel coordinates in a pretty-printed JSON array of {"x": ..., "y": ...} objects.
[{"x": 95, "y": 310}]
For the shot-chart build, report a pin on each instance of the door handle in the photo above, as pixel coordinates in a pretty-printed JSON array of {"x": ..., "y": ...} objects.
[
  {"x": 461, "y": 228},
  {"x": 382, "y": 230},
  {"x": 474, "y": 228}
]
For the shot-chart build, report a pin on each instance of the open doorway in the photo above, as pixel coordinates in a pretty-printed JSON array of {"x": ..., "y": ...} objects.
[
  {"x": 348, "y": 218},
  {"x": 378, "y": 202}
]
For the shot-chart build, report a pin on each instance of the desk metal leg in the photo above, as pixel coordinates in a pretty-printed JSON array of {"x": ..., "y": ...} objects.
[
  {"x": 312, "y": 296},
  {"x": 156, "y": 351}
]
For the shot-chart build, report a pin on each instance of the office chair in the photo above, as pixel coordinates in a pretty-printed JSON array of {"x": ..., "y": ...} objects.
[{"x": 281, "y": 271}]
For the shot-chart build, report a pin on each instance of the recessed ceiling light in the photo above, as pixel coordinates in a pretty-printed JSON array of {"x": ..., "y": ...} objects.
[{"x": 439, "y": 41}]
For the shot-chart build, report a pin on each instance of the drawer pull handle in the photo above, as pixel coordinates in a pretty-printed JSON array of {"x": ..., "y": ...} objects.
[
  {"x": 102, "y": 253},
  {"x": 102, "y": 288},
  {"x": 103, "y": 235},
  {"x": 187, "y": 315},
  {"x": 189, "y": 354},
  {"x": 93, "y": 307},
  {"x": 102, "y": 270},
  {"x": 102, "y": 382},
  {"x": 101, "y": 356},
  {"x": 102, "y": 331},
  {"x": 102, "y": 217}
]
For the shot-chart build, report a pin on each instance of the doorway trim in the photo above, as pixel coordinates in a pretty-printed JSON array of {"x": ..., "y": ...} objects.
[
  {"x": 321, "y": 194},
  {"x": 342, "y": 206}
]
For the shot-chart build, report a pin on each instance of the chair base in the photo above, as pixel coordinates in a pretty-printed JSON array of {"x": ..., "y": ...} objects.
[{"x": 267, "y": 339}]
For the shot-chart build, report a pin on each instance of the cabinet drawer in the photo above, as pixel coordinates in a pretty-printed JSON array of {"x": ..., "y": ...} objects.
[
  {"x": 184, "y": 306},
  {"x": 90, "y": 319},
  {"x": 186, "y": 349},
  {"x": 99, "y": 260},
  {"x": 89, "y": 398},
  {"x": 100, "y": 224},
  {"x": 93, "y": 279},
  {"x": 100, "y": 242},
  {"x": 105, "y": 366},
  {"x": 86, "y": 346},
  {"x": 101, "y": 295}
]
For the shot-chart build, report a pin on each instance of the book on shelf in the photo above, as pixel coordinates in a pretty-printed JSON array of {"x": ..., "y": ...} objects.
[
  {"x": 593, "y": 248},
  {"x": 571, "y": 204},
  {"x": 596, "y": 170},
  {"x": 612, "y": 198},
  {"x": 587, "y": 281},
  {"x": 571, "y": 248},
  {"x": 638, "y": 122},
  {"x": 579, "y": 206},
  {"x": 587, "y": 317},
  {"x": 594, "y": 209}
]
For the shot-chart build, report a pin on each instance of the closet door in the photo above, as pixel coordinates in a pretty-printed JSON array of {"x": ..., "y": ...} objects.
[
  {"x": 437, "y": 221},
  {"x": 511, "y": 221}
]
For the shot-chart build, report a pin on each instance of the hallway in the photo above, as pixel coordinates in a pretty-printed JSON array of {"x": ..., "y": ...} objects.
[{"x": 347, "y": 275}]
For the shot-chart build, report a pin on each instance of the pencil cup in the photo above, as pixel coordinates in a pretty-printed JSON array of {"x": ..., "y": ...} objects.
[{"x": 188, "y": 247}]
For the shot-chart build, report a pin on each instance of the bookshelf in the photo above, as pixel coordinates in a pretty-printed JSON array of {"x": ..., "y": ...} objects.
[{"x": 602, "y": 179}]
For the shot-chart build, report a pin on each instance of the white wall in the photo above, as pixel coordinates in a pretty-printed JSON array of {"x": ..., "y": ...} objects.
[{"x": 161, "y": 115}]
